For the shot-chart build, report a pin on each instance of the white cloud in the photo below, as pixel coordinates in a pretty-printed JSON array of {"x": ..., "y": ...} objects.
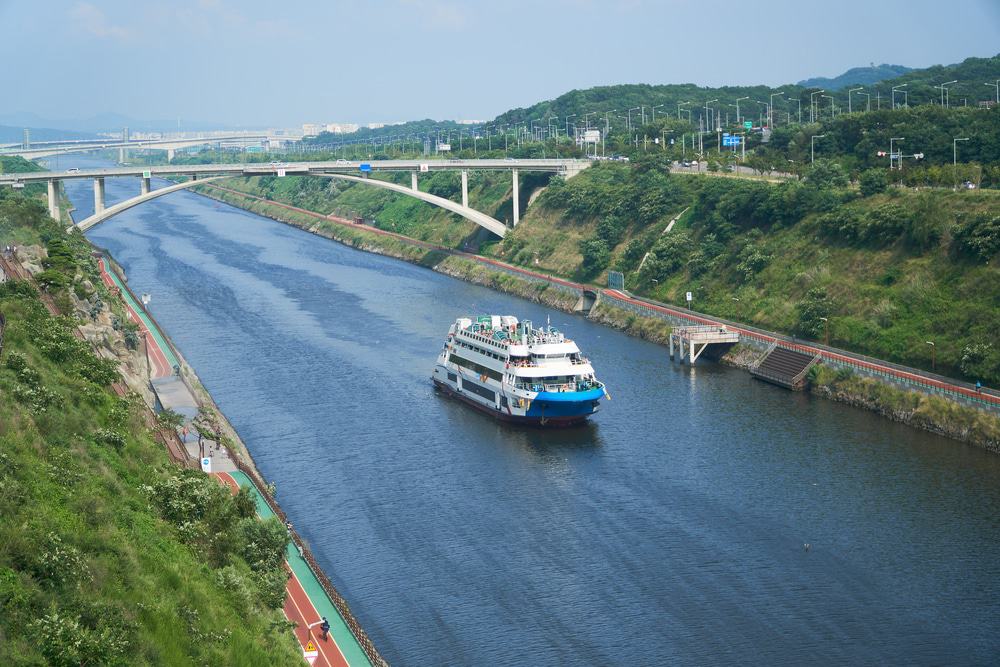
[{"x": 91, "y": 20}]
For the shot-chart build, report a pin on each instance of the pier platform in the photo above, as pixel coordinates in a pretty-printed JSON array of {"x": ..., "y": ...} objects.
[{"x": 690, "y": 342}]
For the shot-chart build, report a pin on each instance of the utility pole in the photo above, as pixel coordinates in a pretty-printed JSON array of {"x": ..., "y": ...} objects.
[
  {"x": 891, "y": 154},
  {"x": 799, "y": 102}
]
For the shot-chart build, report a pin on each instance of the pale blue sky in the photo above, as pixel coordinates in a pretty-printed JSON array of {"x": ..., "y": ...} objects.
[{"x": 289, "y": 62}]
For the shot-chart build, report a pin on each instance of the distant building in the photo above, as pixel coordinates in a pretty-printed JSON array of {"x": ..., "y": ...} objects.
[
  {"x": 471, "y": 122},
  {"x": 987, "y": 104},
  {"x": 342, "y": 128},
  {"x": 311, "y": 129}
]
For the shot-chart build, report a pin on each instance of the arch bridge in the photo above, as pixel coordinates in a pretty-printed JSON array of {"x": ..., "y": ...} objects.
[{"x": 358, "y": 172}]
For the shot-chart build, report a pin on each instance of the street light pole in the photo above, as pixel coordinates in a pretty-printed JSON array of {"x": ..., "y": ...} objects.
[
  {"x": 799, "y": 102},
  {"x": 630, "y": 117},
  {"x": 654, "y": 111},
  {"x": 894, "y": 89},
  {"x": 812, "y": 105},
  {"x": 997, "y": 86},
  {"x": 738, "y": 118},
  {"x": 812, "y": 146},
  {"x": 954, "y": 157},
  {"x": 850, "y": 109},
  {"x": 868, "y": 106},
  {"x": 826, "y": 331},
  {"x": 933, "y": 355},
  {"x": 680, "y": 104},
  {"x": 944, "y": 92},
  {"x": 770, "y": 121}
]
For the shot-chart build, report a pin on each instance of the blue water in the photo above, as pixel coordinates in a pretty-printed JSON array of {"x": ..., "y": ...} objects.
[{"x": 670, "y": 530}]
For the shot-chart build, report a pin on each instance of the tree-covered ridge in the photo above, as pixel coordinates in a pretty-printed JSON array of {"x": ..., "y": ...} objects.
[
  {"x": 889, "y": 268},
  {"x": 865, "y": 76}
]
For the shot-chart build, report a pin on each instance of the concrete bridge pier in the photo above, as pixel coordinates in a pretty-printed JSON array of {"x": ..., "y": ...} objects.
[
  {"x": 122, "y": 155},
  {"x": 516, "y": 198},
  {"x": 413, "y": 181},
  {"x": 170, "y": 155},
  {"x": 98, "y": 195},
  {"x": 144, "y": 186},
  {"x": 465, "y": 188},
  {"x": 54, "y": 199}
]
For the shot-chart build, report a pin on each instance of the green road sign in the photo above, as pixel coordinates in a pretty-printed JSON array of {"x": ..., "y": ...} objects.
[
  {"x": 748, "y": 124},
  {"x": 147, "y": 173}
]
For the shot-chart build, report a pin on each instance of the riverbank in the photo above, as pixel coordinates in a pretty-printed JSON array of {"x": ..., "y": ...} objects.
[
  {"x": 310, "y": 595},
  {"x": 979, "y": 426}
]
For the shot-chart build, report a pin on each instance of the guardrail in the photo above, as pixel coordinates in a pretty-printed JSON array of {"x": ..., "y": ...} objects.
[{"x": 3, "y": 327}]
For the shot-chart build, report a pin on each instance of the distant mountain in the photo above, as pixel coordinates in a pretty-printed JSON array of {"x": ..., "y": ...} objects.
[
  {"x": 864, "y": 76},
  {"x": 10, "y": 134}
]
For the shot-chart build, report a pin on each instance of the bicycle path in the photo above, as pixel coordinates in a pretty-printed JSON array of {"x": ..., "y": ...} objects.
[{"x": 307, "y": 601}]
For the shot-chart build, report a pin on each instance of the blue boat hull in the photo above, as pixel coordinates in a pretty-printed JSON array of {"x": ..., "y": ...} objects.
[{"x": 548, "y": 408}]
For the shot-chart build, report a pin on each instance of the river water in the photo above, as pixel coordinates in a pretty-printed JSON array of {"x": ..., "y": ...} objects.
[{"x": 670, "y": 530}]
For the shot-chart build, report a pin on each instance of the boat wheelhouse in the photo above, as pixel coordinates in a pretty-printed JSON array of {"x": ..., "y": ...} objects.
[{"x": 516, "y": 372}]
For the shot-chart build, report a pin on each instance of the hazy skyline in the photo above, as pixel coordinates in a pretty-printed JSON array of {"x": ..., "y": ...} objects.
[{"x": 283, "y": 64}]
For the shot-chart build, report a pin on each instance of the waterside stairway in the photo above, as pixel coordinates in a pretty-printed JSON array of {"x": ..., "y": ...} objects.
[{"x": 784, "y": 367}]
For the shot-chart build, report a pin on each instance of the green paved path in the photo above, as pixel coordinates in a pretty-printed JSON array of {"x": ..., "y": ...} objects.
[{"x": 338, "y": 628}]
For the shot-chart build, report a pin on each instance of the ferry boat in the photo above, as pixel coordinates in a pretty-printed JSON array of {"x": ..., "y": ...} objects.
[{"x": 516, "y": 372}]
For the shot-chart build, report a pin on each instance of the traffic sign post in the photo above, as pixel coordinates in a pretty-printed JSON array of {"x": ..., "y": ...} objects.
[
  {"x": 206, "y": 464},
  {"x": 364, "y": 167},
  {"x": 310, "y": 652},
  {"x": 146, "y": 173},
  {"x": 748, "y": 124},
  {"x": 688, "y": 295}
]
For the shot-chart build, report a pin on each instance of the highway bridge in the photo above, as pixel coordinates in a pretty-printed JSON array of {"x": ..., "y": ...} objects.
[
  {"x": 48, "y": 149},
  {"x": 355, "y": 171}
]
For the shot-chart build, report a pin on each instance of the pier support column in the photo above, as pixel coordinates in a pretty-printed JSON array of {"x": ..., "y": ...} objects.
[
  {"x": 671, "y": 339},
  {"x": 465, "y": 188},
  {"x": 144, "y": 186},
  {"x": 121, "y": 155},
  {"x": 516, "y": 198},
  {"x": 170, "y": 155},
  {"x": 54, "y": 199},
  {"x": 98, "y": 195},
  {"x": 413, "y": 181}
]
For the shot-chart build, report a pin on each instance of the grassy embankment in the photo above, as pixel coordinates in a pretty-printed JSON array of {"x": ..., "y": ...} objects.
[{"x": 109, "y": 553}]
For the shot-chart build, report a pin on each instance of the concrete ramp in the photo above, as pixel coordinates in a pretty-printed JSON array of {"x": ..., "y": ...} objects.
[{"x": 174, "y": 395}]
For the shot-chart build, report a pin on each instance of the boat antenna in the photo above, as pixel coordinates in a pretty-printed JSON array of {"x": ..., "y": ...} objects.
[{"x": 548, "y": 321}]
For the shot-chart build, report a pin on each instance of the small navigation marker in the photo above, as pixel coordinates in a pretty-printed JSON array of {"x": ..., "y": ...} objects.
[{"x": 310, "y": 652}]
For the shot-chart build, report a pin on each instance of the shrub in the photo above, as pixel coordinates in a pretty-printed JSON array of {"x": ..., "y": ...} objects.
[
  {"x": 873, "y": 181},
  {"x": 596, "y": 256},
  {"x": 811, "y": 310},
  {"x": 978, "y": 237}
]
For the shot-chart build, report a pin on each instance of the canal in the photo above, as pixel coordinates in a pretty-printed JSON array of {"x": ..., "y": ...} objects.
[{"x": 670, "y": 530}]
